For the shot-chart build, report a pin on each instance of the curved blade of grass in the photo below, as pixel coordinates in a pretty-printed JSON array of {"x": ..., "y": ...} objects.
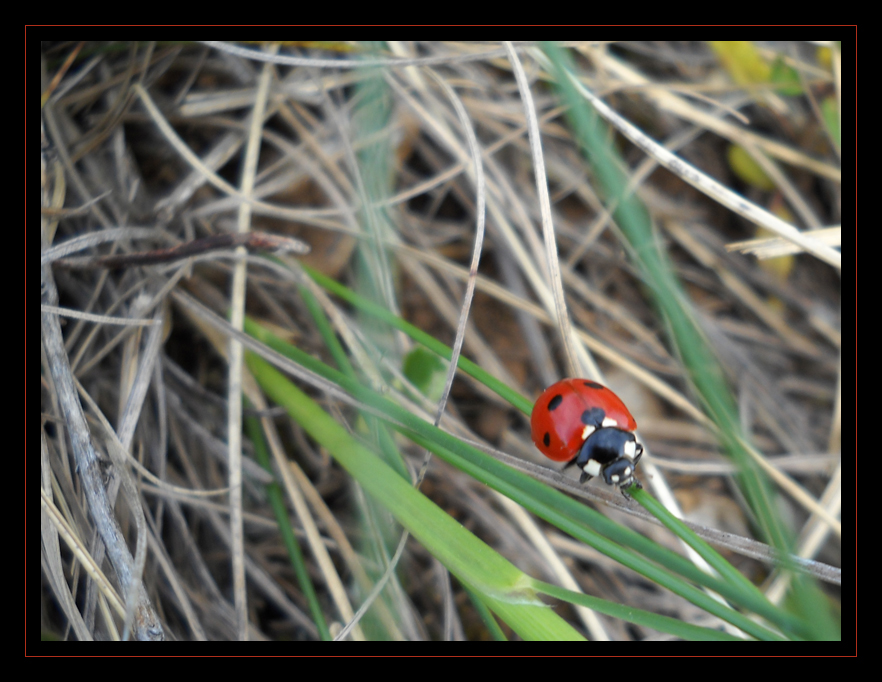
[{"x": 500, "y": 584}]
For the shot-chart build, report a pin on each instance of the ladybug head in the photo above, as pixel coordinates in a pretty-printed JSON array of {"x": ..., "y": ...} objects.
[
  {"x": 620, "y": 473},
  {"x": 612, "y": 453}
]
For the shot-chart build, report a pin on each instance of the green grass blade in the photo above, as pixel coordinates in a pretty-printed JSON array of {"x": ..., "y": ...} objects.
[{"x": 500, "y": 584}]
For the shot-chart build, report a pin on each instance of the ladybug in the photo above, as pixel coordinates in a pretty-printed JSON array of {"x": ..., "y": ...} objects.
[{"x": 581, "y": 422}]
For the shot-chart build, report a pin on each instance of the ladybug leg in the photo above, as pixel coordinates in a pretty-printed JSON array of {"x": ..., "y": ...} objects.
[
  {"x": 584, "y": 477},
  {"x": 636, "y": 484},
  {"x": 575, "y": 460},
  {"x": 639, "y": 454}
]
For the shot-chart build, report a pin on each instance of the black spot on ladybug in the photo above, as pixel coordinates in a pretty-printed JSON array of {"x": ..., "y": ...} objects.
[
  {"x": 546, "y": 439},
  {"x": 594, "y": 385},
  {"x": 593, "y": 417},
  {"x": 555, "y": 402}
]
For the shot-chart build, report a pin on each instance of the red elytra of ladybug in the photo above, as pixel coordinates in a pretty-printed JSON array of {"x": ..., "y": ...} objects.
[
  {"x": 556, "y": 422},
  {"x": 572, "y": 412}
]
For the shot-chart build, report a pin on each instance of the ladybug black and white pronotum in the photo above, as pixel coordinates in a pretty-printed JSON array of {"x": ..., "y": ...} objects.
[{"x": 581, "y": 422}]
